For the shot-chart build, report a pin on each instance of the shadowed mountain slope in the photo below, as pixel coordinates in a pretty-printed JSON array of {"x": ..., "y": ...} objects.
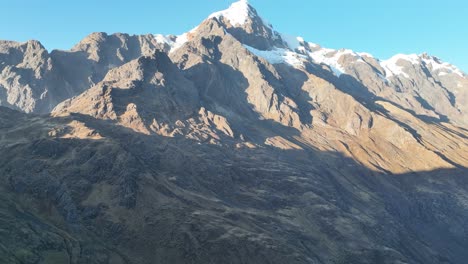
[
  {"x": 85, "y": 190},
  {"x": 231, "y": 143}
]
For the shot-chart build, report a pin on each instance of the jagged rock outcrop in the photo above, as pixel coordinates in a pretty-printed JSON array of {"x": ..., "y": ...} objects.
[
  {"x": 35, "y": 81},
  {"x": 29, "y": 79},
  {"x": 153, "y": 82},
  {"x": 243, "y": 22}
]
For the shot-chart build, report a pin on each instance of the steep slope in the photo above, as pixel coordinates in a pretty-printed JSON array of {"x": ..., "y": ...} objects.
[
  {"x": 243, "y": 22},
  {"x": 89, "y": 61},
  {"x": 419, "y": 83},
  {"x": 29, "y": 79},
  {"x": 34, "y": 80},
  {"x": 149, "y": 95},
  {"x": 223, "y": 89},
  {"x": 85, "y": 190},
  {"x": 241, "y": 86},
  {"x": 233, "y": 143}
]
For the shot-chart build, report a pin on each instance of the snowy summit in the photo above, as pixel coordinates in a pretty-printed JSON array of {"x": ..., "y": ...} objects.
[
  {"x": 297, "y": 52},
  {"x": 238, "y": 13}
]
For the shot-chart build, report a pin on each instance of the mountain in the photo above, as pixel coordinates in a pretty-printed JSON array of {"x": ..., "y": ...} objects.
[
  {"x": 35, "y": 81},
  {"x": 231, "y": 143}
]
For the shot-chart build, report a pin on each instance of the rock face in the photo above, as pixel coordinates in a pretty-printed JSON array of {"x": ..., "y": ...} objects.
[
  {"x": 29, "y": 80},
  {"x": 35, "y": 81},
  {"x": 230, "y": 143}
]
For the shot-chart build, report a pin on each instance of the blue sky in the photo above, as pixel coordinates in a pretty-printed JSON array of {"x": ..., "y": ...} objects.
[{"x": 380, "y": 27}]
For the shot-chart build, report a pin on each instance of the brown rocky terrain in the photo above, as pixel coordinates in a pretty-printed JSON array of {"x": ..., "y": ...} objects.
[
  {"x": 230, "y": 144},
  {"x": 34, "y": 80}
]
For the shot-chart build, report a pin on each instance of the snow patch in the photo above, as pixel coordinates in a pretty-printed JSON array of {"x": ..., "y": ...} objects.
[
  {"x": 331, "y": 57},
  {"x": 237, "y": 14},
  {"x": 365, "y": 54},
  {"x": 313, "y": 45},
  {"x": 180, "y": 40},
  {"x": 279, "y": 55},
  {"x": 392, "y": 68},
  {"x": 163, "y": 39},
  {"x": 444, "y": 68}
]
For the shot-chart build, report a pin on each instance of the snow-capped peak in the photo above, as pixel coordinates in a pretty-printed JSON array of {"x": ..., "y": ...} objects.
[
  {"x": 295, "y": 51},
  {"x": 413, "y": 58},
  {"x": 393, "y": 66},
  {"x": 444, "y": 68},
  {"x": 237, "y": 14}
]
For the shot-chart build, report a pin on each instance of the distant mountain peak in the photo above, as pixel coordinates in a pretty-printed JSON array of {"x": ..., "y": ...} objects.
[
  {"x": 242, "y": 21},
  {"x": 393, "y": 65},
  {"x": 237, "y": 14}
]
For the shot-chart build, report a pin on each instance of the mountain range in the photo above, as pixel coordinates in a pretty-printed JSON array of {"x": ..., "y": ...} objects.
[{"x": 231, "y": 143}]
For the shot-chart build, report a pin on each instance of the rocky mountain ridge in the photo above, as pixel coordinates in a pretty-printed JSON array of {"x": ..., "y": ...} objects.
[
  {"x": 419, "y": 83},
  {"x": 231, "y": 143}
]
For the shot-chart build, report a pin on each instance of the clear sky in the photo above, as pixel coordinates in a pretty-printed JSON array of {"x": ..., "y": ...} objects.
[{"x": 380, "y": 27}]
